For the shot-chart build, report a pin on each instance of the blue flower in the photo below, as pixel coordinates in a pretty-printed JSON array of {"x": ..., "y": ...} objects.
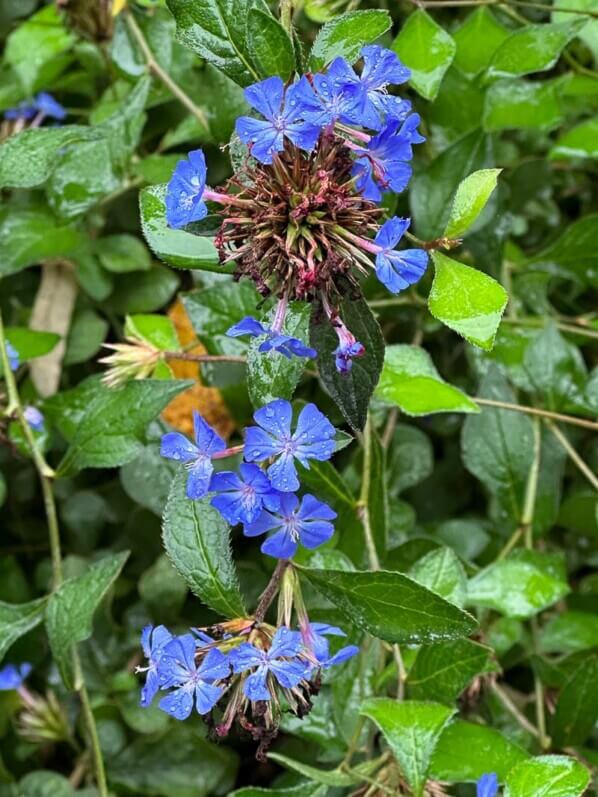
[
  {"x": 45, "y": 104},
  {"x": 192, "y": 684},
  {"x": 275, "y": 341},
  {"x": 382, "y": 166},
  {"x": 338, "y": 96},
  {"x": 313, "y": 438},
  {"x": 307, "y": 523},
  {"x": 153, "y": 641},
  {"x": 397, "y": 270},
  {"x": 24, "y": 110},
  {"x": 344, "y": 354},
  {"x": 185, "y": 190},
  {"x": 12, "y": 676},
  {"x": 280, "y": 661},
  {"x": 241, "y": 499},
  {"x": 196, "y": 456},
  {"x": 13, "y": 357},
  {"x": 34, "y": 418},
  {"x": 284, "y": 115},
  {"x": 487, "y": 786},
  {"x": 316, "y": 642}
]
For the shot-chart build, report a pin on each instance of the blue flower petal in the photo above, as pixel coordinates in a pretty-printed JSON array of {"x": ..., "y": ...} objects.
[
  {"x": 247, "y": 326},
  {"x": 279, "y": 545},
  {"x": 206, "y": 696},
  {"x": 200, "y": 474},
  {"x": 207, "y": 440},
  {"x": 266, "y": 97},
  {"x": 487, "y": 786},
  {"x": 255, "y": 685},
  {"x": 178, "y": 703},
  {"x": 175, "y": 445}
]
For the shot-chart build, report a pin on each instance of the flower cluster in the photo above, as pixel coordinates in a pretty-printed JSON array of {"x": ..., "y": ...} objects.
[
  {"x": 300, "y": 218},
  {"x": 241, "y": 672},
  {"x": 263, "y": 500}
]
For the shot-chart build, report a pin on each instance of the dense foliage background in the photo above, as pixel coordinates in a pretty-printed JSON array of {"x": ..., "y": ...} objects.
[{"x": 476, "y": 470}]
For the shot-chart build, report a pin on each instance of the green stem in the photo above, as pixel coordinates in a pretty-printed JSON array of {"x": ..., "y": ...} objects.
[
  {"x": 364, "y": 497},
  {"x": 555, "y": 416},
  {"x": 531, "y": 489},
  {"x": 46, "y": 474},
  {"x": 286, "y": 15},
  {"x": 161, "y": 74},
  {"x": 575, "y": 458},
  {"x": 574, "y": 329}
]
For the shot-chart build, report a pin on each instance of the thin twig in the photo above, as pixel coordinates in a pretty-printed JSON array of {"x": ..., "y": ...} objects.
[
  {"x": 162, "y": 75},
  {"x": 204, "y": 358},
  {"x": 513, "y": 710},
  {"x": 583, "y": 467},
  {"x": 574, "y": 329},
  {"x": 555, "y": 416}
]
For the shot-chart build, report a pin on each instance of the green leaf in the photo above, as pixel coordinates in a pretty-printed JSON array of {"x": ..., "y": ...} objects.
[
  {"x": 330, "y": 777},
  {"x": 31, "y": 343},
  {"x": 579, "y": 142},
  {"x": 574, "y": 251},
  {"x": 197, "y": 541},
  {"x": 569, "y": 632},
  {"x": 467, "y": 751},
  {"x": 122, "y": 253},
  {"x": 589, "y": 33},
  {"x": 86, "y": 335},
  {"x": 345, "y": 35},
  {"x": 352, "y": 391},
  {"x": 272, "y": 375},
  {"x": 162, "y": 589},
  {"x": 433, "y": 187},
  {"x": 547, "y": 776},
  {"x": 216, "y": 31},
  {"x": 412, "y": 730},
  {"x": 113, "y": 425},
  {"x": 159, "y": 330},
  {"x": 269, "y": 45},
  {"x": 520, "y": 585},
  {"x": 143, "y": 292},
  {"x": 302, "y": 790},
  {"x": 17, "y": 619},
  {"x": 533, "y": 48},
  {"x": 442, "y": 572},
  {"x": 71, "y": 608},
  {"x": 477, "y": 40},
  {"x": 410, "y": 381},
  {"x": 577, "y": 707},
  {"x": 467, "y": 300},
  {"x": 428, "y": 51},
  {"x": 36, "y": 49},
  {"x": 147, "y": 479},
  {"x": 441, "y": 672},
  {"x": 176, "y": 247},
  {"x": 178, "y": 763},
  {"x": 521, "y": 104},
  {"x": 28, "y": 235},
  {"x": 45, "y": 783},
  {"x": 472, "y": 195},
  {"x": 410, "y": 459},
  {"x": 391, "y": 606},
  {"x": 28, "y": 158},
  {"x": 377, "y": 500}
]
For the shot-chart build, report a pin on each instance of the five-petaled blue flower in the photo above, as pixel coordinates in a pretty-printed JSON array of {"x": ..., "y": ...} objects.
[
  {"x": 313, "y": 438},
  {"x": 153, "y": 642},
  {"x": 13, "y": 357},
  {"x": 196, "y": 456},
  {"x": 487, "y": 786},
  {"x": 185, "y": 190},
  {"x": 34, "y": 418},
  {"x": 280, "y": 662},
  {"x": 397, "y": 270},
  {"x": 338, "y": 96},
  {"x": 344, "y": 354},
  {"x": 382, "y": 166},
  {"x": 307, "y": 523},
  {"x": 192, "y": 684},
  {"x": 43, "y": 104},
  {"x": 285, "y": 118},
  {"x": 275, "y": 341},
  {"x": 241, "y": 498},
  {"x": 316, "y": 642},
  {"x": 12, "y": 676}
]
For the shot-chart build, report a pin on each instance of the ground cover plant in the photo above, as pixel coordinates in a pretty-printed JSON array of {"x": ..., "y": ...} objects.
[{"x": 297, "y": 398}]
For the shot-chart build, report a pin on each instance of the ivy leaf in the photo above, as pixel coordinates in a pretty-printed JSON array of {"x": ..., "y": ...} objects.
[
  {"x": 547, "y": 776},
  {"x": 410, "y": 381},
  {"x": 467, "y": 751},
  {"x": 71, "y": 609},
  {"x": 112, "y": 428},
  {"x": 345, "y": 35},
  {"x": 391, "y": 606},
  {"x": 269, "y": 45},
  {"x": 412, "y": 730},
  {"x": 178, "y": 248},
  {"x": 352, "y": 391},
  {"x": 197, "y": 541},
  {"x": 466, "y": 300},
  {"x": 470, "y": 199},
  {"x": 16, "y": 619},
  {"x": 427, "y": 49}
]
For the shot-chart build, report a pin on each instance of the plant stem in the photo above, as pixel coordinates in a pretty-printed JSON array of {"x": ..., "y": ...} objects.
[
  {"x": 574, "y": 329},
  {"x": 46, "y": 474},
  {"x": 161, "y": 74},
  {"x": 583, "y": 467},
  {"x": 204, "y": 358},
  {"x": 286, "y": 15},
  {"x": 555, "y": 416},
  {"x": 523, "y": 3},
  {"x": 270, "y": 592},
  {"x": 514, "y": 711},
  {"x": 364, "y": 497}
]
